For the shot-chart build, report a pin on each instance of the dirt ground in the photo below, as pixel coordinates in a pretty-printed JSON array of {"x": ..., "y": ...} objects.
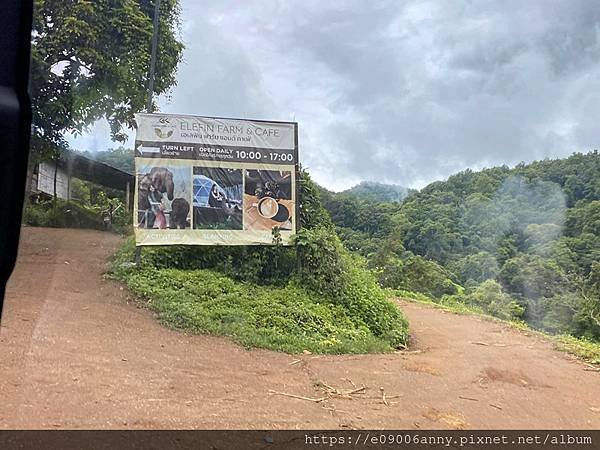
[{"x": 77, "y": 352}]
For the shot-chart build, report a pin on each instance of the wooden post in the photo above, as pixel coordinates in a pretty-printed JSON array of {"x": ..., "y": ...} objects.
[
  {"x": 127, "y": 197},
  {"x": 138, "y": 255},
  {"x": 54, "y": 179},
  {"x": 298, "y": 196},
  {"x": 69, "y": 182}
]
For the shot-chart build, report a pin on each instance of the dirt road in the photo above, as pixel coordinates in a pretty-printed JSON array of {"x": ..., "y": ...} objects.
[{"x": 76, "y": 352}]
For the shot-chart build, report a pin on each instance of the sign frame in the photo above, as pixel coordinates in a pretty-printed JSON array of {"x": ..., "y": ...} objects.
[{"x": 188, "y": 141}]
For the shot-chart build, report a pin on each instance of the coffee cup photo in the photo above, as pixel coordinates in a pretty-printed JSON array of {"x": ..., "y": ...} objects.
[
  {"x": 267, "y": 207},
  {"x": 267, "y": 199}
]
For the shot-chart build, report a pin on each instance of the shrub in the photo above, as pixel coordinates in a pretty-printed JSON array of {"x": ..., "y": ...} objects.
[
  {"x": 314, "y": 296},
  {"x": 417, "y": 274},
  {"x": 287, "y": 318},
  {"x": 60, "y": 213},
  {"x": 476, "y": 268},
  {"x": 321, "y": 267},
  {"x": 491, "y": 298}
]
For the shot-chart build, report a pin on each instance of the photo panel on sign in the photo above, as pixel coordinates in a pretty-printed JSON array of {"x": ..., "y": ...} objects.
[
  {"x": 268, "y": 199},
  {"x": 217, "y": 198},
  {"x": 163, "y": 194}
]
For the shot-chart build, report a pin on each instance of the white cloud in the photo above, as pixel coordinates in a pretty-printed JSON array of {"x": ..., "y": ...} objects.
[{"x": 402, "y": 92}]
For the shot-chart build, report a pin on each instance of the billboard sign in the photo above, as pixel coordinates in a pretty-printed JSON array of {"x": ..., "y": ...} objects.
[{"x": 214, "y": 181}]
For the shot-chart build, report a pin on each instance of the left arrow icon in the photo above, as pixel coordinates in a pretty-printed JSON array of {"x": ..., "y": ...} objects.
[{"x": 143, "y": 149}]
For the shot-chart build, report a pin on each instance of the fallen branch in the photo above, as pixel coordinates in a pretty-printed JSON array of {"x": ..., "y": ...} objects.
[
  {"x": 300, "y": 397},
  {"x": 360, "y": 390},
  {"x": 295, "y": 362},
  {"x": 480, "y": 343},
  {"x": 349, "y": 381},
  {"x": 378, "y": 397},
  {"x": 468, "y": 398},
  {"x": 330, "y": 390},
  {"x": 496, "y": 406}
]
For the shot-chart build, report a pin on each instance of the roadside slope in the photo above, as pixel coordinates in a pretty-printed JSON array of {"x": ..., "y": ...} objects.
[{"x": 77, "y": 353}]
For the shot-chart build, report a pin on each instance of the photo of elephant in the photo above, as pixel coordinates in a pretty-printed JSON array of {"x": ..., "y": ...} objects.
[{"x": 164, "y": 194}]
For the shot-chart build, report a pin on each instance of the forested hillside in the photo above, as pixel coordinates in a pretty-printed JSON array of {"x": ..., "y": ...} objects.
[
  {"x": 362, "y": 223},
  {"x": 521, "y": 242},
  {"x": 120, "y": 158},
  {"x": 372, "y": 190}
]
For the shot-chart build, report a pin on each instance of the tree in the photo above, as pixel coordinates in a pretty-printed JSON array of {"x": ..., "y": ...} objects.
[
  {"x": 490, "y": 297},
  {"x": 120, "y": 158},
  {"x": 90, "y": 60},
  {"x": 476, "y": 268},
  {"x": 533, "y": 232},
  {"x": 417, "y": 274}
]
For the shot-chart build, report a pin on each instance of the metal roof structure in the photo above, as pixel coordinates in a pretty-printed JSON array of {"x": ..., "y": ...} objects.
[{"x": 79, "y": 166}]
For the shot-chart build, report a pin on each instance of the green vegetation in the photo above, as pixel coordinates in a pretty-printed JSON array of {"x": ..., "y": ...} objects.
[
  {"x": 517, "y": 243},
  {"x": 120, "y": 158},
  {"x": 89, "y": 206},
  {"x": 315, "y": 296},
  {"x": 581, "y": 347},
  {"x": 378, "y": 192},
  {"x": 491, "y": 298},
  {"x": 362, "y": 223},
  {"x": 89, "y": 60},
  {"x": 63, "y": 214}
]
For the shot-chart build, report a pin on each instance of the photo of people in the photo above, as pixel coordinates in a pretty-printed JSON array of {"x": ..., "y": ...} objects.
[
  {"x": 268, "y": 199},
  {"x": 217, "y": 198},
  {"x": 163, "y": 197}
]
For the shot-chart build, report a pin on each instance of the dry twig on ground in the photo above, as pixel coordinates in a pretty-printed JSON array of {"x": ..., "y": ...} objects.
[
  {"x": 300, "y": 397},
  {"x": 383, "y": 399}
]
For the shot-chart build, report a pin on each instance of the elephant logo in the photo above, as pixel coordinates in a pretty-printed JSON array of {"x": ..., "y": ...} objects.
[
  {"x": 163, "y": 128},
  {"x": 161, "y": 134}
]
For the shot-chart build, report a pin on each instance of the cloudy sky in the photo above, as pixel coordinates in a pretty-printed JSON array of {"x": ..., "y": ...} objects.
[{"x": 403, "y": 92}]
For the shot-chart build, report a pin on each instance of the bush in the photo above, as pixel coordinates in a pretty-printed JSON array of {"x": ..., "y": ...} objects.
[
  {"x": 321, "y": 265},
  {"x": 253, "y": 264},
  {"x": 72, "y": 214},
  {"x": 315, "y": 296},
  {"x": 476, "y": 268},
  {"x": 417, "y": 274},
  {"x": 490, "y": 298},
  {"x": 363, "y": 296},
  {"x": 287, "y": 318},
  {"x": 62, "y": 214}
]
